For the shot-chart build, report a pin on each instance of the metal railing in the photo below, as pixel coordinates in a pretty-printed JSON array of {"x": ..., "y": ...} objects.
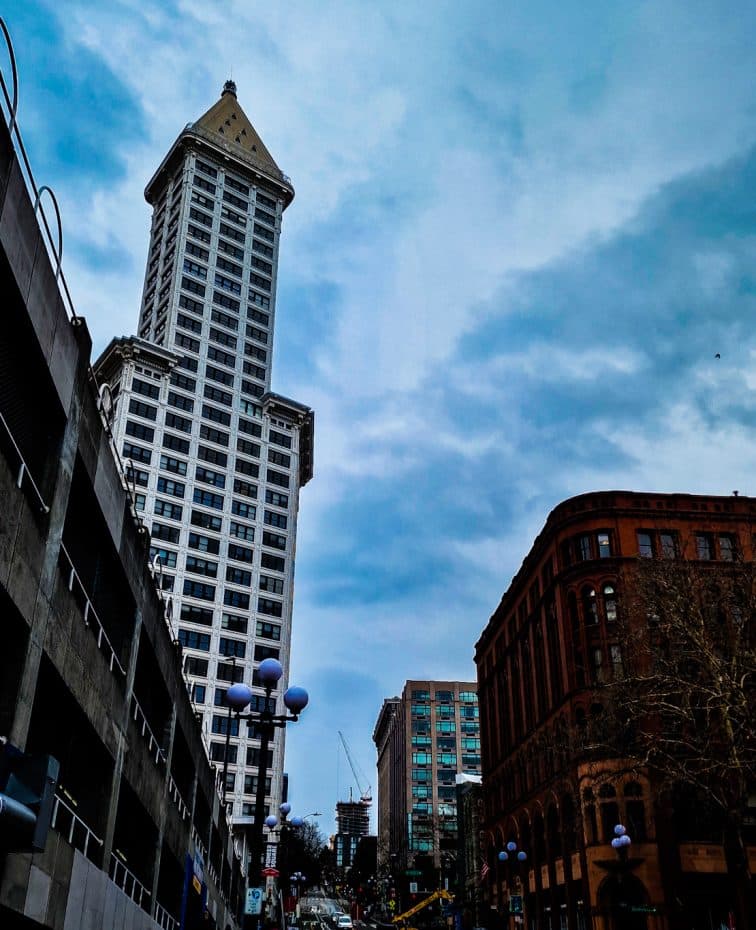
[
  {"x": 24, "y": 475},
  {"x": 164, "y": 919},
  {"x": 128, "y": 882},
  {"x": 146, "y": 730},
  {"x": 78, "y": 834},
  {"x": 198, "y": 842},
  {"x": 175, "y": 794},
  {"x": 89, "y": 614}
]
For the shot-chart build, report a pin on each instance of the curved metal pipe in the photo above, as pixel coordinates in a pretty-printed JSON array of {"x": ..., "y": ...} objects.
[
  {"x": 14, "y": 72},
  {"x": 59, "y": 254}
]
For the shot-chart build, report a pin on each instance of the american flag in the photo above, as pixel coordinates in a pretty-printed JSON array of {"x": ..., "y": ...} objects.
[{"x": 484, "y": 870}]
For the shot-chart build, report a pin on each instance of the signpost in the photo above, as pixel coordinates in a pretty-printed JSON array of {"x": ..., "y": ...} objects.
[{"x": 253, "y": 904}]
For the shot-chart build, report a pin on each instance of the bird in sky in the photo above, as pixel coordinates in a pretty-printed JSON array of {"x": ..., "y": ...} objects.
[{"x": 717, "y": 355}]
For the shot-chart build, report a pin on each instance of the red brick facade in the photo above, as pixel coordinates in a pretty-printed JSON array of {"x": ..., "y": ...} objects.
[{"x": 550, "y": 639}]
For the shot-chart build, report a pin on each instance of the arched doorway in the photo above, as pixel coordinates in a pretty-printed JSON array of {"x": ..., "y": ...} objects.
[{"x": 618, "y": 897}]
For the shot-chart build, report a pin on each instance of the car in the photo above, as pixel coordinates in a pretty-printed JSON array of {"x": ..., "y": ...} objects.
[{"x": 344, "y": 922}]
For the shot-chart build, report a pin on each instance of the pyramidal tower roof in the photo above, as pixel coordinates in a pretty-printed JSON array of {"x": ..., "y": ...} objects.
[
  {"x": 226, "y": 129},
  {"x": 228, "y": 120}
]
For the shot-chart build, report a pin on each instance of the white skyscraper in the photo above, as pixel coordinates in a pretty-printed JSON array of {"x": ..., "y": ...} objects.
[{"x": 215, "y": 458}]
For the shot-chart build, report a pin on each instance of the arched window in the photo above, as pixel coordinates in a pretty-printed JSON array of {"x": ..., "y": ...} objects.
[
  {"x": 554, "y": 833},
  {"x": 572, "y": 612},
  {"x": 597, "y": 665},
  {"x": 589, "y": 816},
  {"x": 610, "y": 603},
  {"x": 590, "y": 611},
  {"x": 609, "y": 812},
  {"x": 635, "y": 812},
  {"x": 569, "y": 824}
]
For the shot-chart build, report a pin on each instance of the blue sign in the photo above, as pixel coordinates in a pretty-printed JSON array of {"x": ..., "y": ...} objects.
[{"x": 253, "y": 904}]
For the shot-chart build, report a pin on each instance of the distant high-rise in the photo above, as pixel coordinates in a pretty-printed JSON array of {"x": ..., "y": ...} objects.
[
  {"x": 352, "y": 824},
  {"x": 216, "y": 459},
  {"x": 424, "y": 739}
]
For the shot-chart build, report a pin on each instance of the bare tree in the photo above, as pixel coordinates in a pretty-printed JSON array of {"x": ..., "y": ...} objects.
[{"x": 680, "y": 705}]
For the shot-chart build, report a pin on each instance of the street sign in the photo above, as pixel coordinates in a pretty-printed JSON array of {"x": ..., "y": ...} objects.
[
  {"x": 416, "y": 872},
  {"x": 413, "y": 887},
  {"x": 253, "y": 904}
]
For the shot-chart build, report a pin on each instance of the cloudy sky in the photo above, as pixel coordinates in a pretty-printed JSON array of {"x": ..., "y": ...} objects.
[{"x": 522, "y": 231}]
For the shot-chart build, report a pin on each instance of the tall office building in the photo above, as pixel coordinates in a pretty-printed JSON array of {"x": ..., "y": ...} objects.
[
  {"x": 216, "y": 459},
  {"x": 424, "y": 739}
]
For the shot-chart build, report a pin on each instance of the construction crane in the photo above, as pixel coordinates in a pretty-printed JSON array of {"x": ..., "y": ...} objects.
[
  {"x": 366, "y": 795},
  {"x": 404, "y": 917}
]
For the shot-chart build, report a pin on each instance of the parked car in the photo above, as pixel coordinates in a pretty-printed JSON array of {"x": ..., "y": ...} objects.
[{"x": 344, "y": 922}]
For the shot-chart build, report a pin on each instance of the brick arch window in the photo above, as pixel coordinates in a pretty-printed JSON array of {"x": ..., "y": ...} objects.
[
  {"x": 572, "y": 612},
  {"x": 610, "y": 602},
  {"x": 589, "y": 816},
  {"x": 590, "y": 607},
  {"x": 635, "y": 811},
  {"x": 553, "y": 832},
  {"x": 609, "y": 810},
  {"x": 569, "y": 823}
]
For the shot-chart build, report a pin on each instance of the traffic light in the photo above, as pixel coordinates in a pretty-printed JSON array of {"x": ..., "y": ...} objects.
[{"x": 27, "y": 795}]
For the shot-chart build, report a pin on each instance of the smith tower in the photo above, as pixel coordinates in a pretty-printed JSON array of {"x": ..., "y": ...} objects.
[{"x": 216, "y": 459}]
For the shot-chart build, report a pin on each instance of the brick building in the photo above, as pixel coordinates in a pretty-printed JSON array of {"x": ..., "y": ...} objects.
[
  {"x": 549, "y": 642},
  {"x": 424, "y": 739}
]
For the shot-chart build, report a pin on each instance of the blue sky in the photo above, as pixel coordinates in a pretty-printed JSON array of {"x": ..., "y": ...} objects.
[{"x": 522, "y": 231}]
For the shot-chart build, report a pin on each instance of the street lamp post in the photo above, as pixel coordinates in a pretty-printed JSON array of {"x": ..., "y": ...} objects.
[
  {"x": 240, "y": 696},
  {"x": 513, "y": 857},
  {"x": 621, "y": 842}
]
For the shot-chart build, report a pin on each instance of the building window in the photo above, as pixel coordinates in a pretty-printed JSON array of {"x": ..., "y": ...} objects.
[
  {"x": 201, "y": 566},
  {"x": 218, "y": 752},
  {"x": 195, "y": 666},
  {"x": 704, "y": 546},
  {"x": 268, "y": 630},
  {"x": 604, "y": 545},
  {"x": 669, "y": 544},
  {"x": 584, "y": 547},
  {"x": 192, "y": 614},
  {"x": 194, "y": 640},
  {"x": 204, "y": 592},
  {"x": 635, "y": 811},
  {"x": 198, "y": 693},
  {"x": 233, "y": 623},
  {"x": 590, "y": 613},
  {"x": 645, "y": 544},
  {"x": 168, "y": 509},
  {"x": 610, "y": 603},
  {"x": 616, "y": 657},
  {"x": 609, "y": 812},
  {"x": 239, "y": 576},
  {"x": 727, "y": 547},
  {"x": 266, "y": 605},
  {"x": 240, "y": 554},
  {"x": 263, "y": 651},
  {"x": 232, "y": 647},
  {"x": 236, "y": 599}
]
